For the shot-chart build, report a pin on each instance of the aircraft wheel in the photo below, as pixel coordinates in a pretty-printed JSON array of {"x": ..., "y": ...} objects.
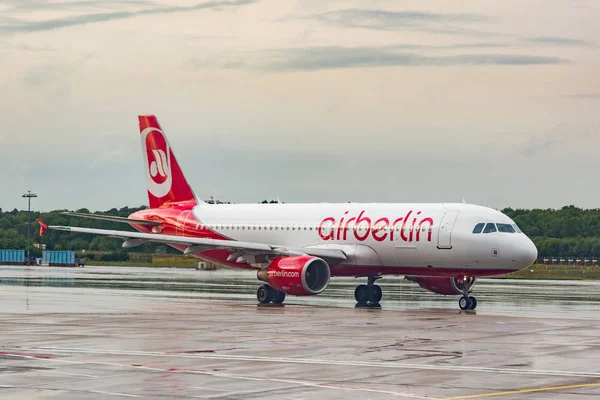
[
  {"x": 464, "y": 303},
  {"x": 473, "y": 302},
  {"x": 376, "y": 294},
  {"x": 278, "y": 297},
  {"x": 362, "y": 294},
  {"x": 264, "y": 294}
]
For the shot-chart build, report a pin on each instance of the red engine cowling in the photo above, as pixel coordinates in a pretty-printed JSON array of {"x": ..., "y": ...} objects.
[
  {"x": 442, "y": 285},
  {"x": 300, "y": 276}
]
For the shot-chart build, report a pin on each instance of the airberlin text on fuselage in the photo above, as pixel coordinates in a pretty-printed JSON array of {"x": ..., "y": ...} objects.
[{"x": 363, "y": 226}]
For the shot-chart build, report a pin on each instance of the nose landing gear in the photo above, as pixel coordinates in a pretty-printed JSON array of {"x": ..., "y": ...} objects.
[
  {"x": 369, "y": 294},
  {"x": 467, "y": 302}
]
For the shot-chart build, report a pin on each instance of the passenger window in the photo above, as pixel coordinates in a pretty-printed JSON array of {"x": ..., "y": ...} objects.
[
  {"x": 478, "y": 228},
  {"x": 508, "y": 228},
  {"x": 489, "y": 227}
]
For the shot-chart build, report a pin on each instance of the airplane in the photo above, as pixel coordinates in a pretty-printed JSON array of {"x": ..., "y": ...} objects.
[{"x": 296, "y": 248}]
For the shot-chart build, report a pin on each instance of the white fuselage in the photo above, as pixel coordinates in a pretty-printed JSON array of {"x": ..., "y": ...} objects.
[{"x": 406, "y": 236}]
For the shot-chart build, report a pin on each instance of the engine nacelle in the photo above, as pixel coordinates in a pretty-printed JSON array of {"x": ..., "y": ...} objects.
[
  {"x": 299, "y": 276},
  {"x": 443, "y": 285}
]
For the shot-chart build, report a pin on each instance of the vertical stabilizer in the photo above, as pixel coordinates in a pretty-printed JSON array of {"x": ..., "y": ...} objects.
[{"x": 166, "y": 182}]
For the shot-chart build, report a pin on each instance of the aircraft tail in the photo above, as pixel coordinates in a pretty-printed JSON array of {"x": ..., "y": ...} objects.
[{"x": 166, "y": 182}]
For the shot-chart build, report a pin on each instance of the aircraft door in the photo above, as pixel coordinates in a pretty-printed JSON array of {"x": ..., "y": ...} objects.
[{"x": 445, "y": 231}]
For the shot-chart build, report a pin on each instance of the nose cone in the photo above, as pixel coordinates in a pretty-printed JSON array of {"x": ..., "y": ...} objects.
[{"x": 524, "y": 252}]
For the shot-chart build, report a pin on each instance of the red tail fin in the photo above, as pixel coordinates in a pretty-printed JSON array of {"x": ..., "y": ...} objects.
[{"x": 166, "y": 182}]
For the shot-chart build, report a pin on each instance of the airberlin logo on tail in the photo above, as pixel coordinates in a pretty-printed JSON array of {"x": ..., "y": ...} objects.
[
  {"x": 158, "y": 161},
  {"x": 407, "y": 228},
  {"x": 159, "y": 166}
]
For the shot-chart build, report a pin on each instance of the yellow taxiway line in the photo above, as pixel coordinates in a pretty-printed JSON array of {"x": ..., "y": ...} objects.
[{"x": 545, "y": 389}]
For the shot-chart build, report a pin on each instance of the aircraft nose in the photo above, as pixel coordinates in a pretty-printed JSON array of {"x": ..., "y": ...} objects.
[{"x": 525, "y": 252}]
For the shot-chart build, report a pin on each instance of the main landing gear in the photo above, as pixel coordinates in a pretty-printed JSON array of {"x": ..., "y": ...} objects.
[
  {"x": 368, "y": 295},
  {"x": 266, "y": 294}
]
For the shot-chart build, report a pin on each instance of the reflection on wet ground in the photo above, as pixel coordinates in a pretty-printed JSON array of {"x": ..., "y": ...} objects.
[{"x": 527, "y": 297}]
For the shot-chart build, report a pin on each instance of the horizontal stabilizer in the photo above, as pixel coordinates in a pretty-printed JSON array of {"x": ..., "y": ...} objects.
[{"x": 113, "y": 218}]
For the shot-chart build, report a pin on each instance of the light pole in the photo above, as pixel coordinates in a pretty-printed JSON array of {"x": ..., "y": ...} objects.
[{"x": 28, "y": 195}]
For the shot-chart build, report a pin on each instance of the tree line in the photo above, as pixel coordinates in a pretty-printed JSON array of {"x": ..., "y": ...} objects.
[
  {"x": 564, "y": 232},
  {"x": 568, "y": 231}
]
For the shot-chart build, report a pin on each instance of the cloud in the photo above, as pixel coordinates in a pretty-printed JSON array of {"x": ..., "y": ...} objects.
[
  {"x": 455, "y": 46},
  {"x": 39, "y": 5},
  {"x": 389, "y": 20},
  {"x": 446, "y": 23},
  {"x": 331, "y": 57},
  {"x": 560, "y": 41},
  {"x": 430, "y": 22},
  {"x": 5, "y": 45},
  {"x": 12, "y": 26},
  {"x": 561, "y": 138},
  {"x": 585, "y": 95}
]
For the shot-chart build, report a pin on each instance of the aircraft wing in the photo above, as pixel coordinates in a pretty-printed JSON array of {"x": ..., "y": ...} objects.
[{"x": 238, "y": 249}]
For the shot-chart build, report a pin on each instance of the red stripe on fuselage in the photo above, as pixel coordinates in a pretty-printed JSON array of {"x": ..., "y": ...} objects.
[{"x": 374, "y": 270}]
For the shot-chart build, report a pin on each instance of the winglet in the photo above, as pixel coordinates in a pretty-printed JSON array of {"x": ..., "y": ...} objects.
[{"x": 43, "y": 226}]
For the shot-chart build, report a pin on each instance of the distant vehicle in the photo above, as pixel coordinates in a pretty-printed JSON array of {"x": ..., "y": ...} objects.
[{"x": 296, "y": 248}]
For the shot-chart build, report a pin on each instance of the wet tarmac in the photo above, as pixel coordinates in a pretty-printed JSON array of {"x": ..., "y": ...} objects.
[{"x": 107, "y": 332}]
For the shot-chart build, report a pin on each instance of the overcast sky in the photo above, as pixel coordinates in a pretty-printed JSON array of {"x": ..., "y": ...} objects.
[{"x": 380, "y": 101}]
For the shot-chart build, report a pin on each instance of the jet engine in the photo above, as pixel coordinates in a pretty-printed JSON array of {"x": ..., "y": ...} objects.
[
  {"x": 444, "y": 285},
  {"x": 298, "y": 275}
]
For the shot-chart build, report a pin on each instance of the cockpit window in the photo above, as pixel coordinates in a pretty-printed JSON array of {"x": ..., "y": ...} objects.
[
  {"x": 478, "y": 228},
  {"x": 517, "y": 228},
  {"x": 508, "y": 228},
  {"x": 489, "y": 227}
]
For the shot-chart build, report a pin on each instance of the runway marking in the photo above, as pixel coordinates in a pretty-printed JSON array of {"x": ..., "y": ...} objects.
[
  {"x": 519, "y": 371},
  {"x": 66, "y": 390},
  {"x": 545, "y": 389},
  {"x": 69, "y": 373},
  {"x": 298, "y": 382},
  {"x": 112, "y": 393},
  {"x": 205, "y": 388}
]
